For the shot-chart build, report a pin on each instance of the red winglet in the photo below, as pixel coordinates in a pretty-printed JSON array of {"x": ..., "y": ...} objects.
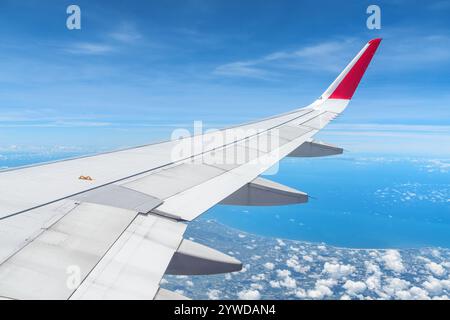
[{"x": 348, "y": 85}]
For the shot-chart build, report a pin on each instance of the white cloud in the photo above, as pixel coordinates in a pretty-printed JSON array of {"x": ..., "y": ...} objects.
[
  {"x": 442, "y": 166},
  {"x": 404, "y": 295},
  {"x": 372, "y": 268},
  {"x": 392, "y": 128},
  {"x": 288, "y": 282},
  {"x": 89, "y": 48},
  {"x": 354, "y": 287},
  {"x": 126, "y": 33},
  {"x": 435, "y": 286},
  {"x": 58, "y": 124},
  {"x": 398, "y": 284},
  {"x": 275, "y": 284},
  {"x": 414, "y": 293},
  {"x": 258, "y": 277},
  {"x": 269, "y": 265},
  {"x": 435, "y": 252},
  {"x": 300, "y": 293},
  {"x": 414, "y": 139},
  {"x": 295, "y": 264},
  {"x": 319, "y": 292},
  {"x": 326, "y": 282},
  {"x": 336, "y": 270},
  {"x": 244, "y": 268},
  {"x": 283, "y": 273},
  {"x": 373, "y": 282},
  {"x": 322, "y": 56},
  {"x": 256, "y": 286},
  {"x": 406, "y": 55},
  {"x": 322, "y": 289},
  {"x": 444, "y": 297},
  {"x": 395, "y": 285},
  {"x": 302, "y": 269},
  {"x": 418, "y": 293},
  {"x": 393, "y": 261},
  {"x": 249, "y": 295},
  {"x": 189, "y": 283},
  {"x": 241, "y": 69},
  {"x": 435, "y": 268},
  {"x": 213, "y": 294}
]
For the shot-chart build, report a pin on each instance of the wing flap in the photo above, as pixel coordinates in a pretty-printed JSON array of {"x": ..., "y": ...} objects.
[
  {"x": 168, "y": 182},
  {"x": 120, "y": 197},
  {"x": 134, "y": 266},
  {"x": 16, "y": 232},
  {"x": 76, "y": 243}
]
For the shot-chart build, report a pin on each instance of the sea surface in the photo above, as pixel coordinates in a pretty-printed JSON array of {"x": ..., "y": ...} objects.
[{"x": 356, "y": 202}]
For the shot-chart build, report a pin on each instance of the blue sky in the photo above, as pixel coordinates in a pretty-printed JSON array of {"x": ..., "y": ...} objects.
[{"x": 139, "y": 69}]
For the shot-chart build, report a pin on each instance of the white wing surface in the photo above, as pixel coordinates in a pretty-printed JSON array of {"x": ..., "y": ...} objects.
[{"x": 110, "y": 226}]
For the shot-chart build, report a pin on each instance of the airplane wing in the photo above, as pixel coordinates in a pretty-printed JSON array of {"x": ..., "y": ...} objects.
[{"x": 110, "y": 226}]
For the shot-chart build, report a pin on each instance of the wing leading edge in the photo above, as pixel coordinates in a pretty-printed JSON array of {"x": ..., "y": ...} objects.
[{"x": 123, "y": 228}]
